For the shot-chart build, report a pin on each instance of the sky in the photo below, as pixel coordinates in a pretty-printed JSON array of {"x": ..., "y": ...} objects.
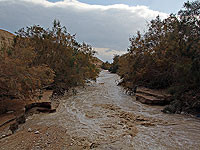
[{"x": 106, "y": 25}]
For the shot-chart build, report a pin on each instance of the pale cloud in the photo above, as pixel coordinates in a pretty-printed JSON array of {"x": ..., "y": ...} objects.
[{"x": 101, "y": 26}]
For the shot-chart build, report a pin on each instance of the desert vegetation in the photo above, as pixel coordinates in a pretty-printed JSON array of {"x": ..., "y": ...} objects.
[
  {"x": 167, "y": 56},
  {"x": 105, "y": 65},
  {"x": 44, "y": 58}
]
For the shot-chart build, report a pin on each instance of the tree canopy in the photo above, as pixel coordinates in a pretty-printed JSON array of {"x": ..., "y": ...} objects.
[
  {"x": 167, "y": 55},
  {"x": 43, "y": 57}
]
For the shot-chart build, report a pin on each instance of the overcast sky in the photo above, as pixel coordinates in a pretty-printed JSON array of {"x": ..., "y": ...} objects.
[{"x": 104, "y": 24}]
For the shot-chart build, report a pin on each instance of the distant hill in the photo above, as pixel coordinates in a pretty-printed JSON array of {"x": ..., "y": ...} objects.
[
  {"x": 6, "y": 38},
  {"x": 98, "y": 62}
]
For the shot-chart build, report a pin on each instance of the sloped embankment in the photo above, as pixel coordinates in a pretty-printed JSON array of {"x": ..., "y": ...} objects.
[
  {"x": 6, "y": 38},
  {"x": 16, "y": 112}
]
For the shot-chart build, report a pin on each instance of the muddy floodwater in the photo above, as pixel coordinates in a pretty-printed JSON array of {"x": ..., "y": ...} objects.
[{"x": 101, "y": 116}]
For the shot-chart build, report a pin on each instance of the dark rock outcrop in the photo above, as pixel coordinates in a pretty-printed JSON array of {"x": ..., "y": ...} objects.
[
  {"x": 46, "y": 105},
  {"x": 152, "y": 97}
]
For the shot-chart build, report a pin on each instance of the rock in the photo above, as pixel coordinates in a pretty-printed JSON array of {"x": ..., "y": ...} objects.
[
  {"x": 52, "y": 111},
  {"x": 182, "y": 113},
  {"x": 37, "y": 132},
  {"x": 94, "y": 145},
  {"x": 48, "y": 142},
  {"x": 37, "y": 144},
  {"x": 152, "y": 97},
  {"x": 29, "y": 130},
  {"x": 37, "y": 147},
  {"x": 41, "y": 104},
  {"x": 150, "y": 100},
  {"x": 10, "y": 112},
  {"x": 46, "y": 110},
  {"x": 3, "y": 136},
  {"x": 7, "y": 119}
]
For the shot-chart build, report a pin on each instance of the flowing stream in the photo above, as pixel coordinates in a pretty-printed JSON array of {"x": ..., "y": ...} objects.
[{"x": 103, "y": 116}]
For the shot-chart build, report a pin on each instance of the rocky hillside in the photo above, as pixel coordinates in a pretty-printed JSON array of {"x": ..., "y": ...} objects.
[
  {"x": 98, "y": 62},
  {"x": 6, "y": 38}
]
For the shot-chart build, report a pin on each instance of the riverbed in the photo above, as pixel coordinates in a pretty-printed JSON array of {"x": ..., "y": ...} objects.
[{"x": 102, "y": 116}]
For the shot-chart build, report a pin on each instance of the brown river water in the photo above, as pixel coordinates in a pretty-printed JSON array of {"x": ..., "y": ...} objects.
[{"x": 104, "y": 117}]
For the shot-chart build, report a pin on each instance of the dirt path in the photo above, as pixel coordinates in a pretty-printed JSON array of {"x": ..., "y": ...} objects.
[{"x": 101, "y": 116}]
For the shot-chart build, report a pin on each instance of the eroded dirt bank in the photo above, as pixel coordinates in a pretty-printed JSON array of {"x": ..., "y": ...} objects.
[{"x": 101, "y": 116}]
